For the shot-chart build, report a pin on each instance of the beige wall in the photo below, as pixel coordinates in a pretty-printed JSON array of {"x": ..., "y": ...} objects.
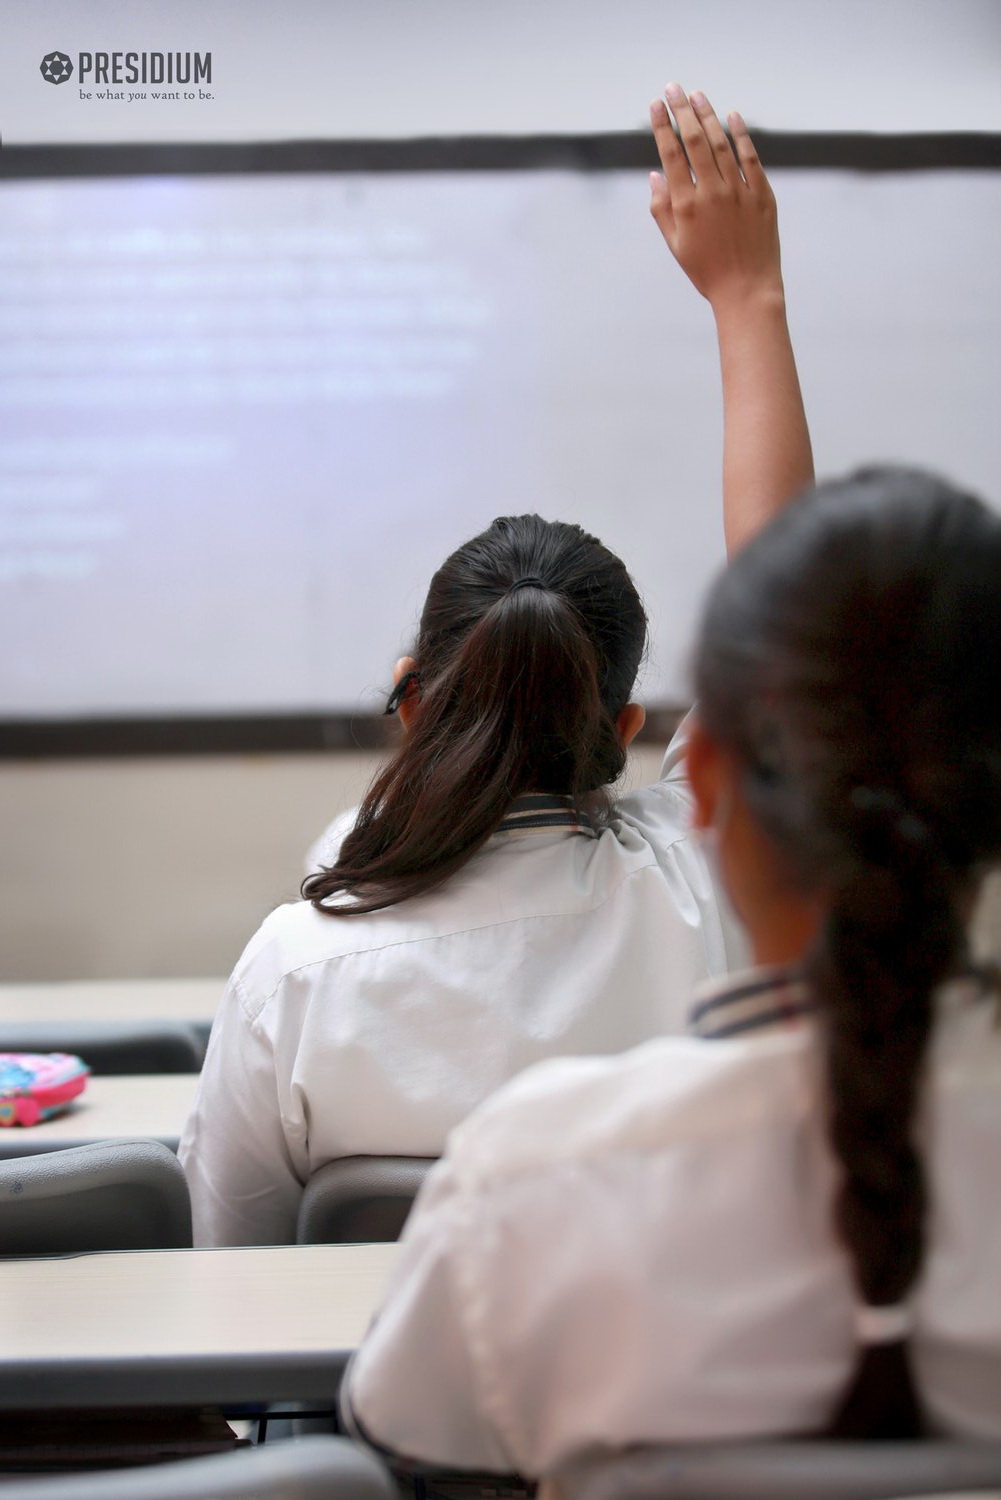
[
  {"x": 155, "y": 867},
  {"x": 160, "y": 868}
]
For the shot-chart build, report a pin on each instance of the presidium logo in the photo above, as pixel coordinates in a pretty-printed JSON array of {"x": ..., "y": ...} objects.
[
  {"x": 129, "y": 67},
  {"x": 56, "y": 67}
]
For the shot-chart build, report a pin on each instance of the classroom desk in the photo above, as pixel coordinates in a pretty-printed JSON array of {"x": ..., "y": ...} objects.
[
  {"x": 149, "y": 1104},
  {"x": 191, "y": 1000},
  {"x": 185, "y": 1327}
]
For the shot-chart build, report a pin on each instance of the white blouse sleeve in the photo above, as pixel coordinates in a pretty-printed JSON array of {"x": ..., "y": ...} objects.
[
  {"x": 414, "y": 1390},
  {"x": 673, "y": 767},
  {"x": 662, "y": 815},
  {"x": 244, "y": 1186},
  {"x": 323, "y": 851}
]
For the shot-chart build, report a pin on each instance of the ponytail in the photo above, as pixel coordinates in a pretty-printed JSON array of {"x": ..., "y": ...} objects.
[{"x": 514, "y": 676}]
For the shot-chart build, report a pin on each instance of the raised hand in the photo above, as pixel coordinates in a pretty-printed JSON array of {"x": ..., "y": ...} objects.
[
  {"x": 715, "y": 209},
  {"x": 717, "y": 213}
]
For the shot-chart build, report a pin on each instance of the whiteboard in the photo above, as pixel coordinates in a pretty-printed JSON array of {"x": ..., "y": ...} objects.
[{"x": 243, "y": 418}]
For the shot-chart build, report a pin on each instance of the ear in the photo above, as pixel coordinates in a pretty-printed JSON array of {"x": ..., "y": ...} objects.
[
  {"x": 704, "y": 762},
  {"x": 408, "y": 704},
  {"x": 629, "y": 722}
]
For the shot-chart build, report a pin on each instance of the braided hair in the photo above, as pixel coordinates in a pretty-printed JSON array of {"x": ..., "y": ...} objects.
[{"x": 849, "y": 660}]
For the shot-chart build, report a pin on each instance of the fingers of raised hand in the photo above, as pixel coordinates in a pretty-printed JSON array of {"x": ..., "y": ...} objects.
[
  {"x": 693, "y": 135},
  {"x": 723, "y": 157},
  {"x": 672, "y": 157},
  {"x": 750, "y": 164}
]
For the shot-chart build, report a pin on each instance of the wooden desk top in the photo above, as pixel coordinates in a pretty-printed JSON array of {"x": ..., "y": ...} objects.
[
  {"x": 112, "y": 1000},
  {"x": 185, "y": 1327},
  {"x": 150, "y": 1104}
]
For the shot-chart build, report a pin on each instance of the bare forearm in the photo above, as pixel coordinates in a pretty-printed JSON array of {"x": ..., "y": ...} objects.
[
  {"x": 767, "y": 458},
  {"x": 716, "y": 210}
]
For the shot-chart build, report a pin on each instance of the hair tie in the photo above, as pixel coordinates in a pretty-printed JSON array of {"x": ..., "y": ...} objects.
[
  {"x": 882, "y": 1325},
  {"x": 530, "y": 581},
  {"x": 400, "y": 691}
]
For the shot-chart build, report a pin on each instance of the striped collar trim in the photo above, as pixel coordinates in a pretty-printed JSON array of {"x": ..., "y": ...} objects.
[
  {"x": 773, "y": 999},
  {"x": 540, "y": 810}
]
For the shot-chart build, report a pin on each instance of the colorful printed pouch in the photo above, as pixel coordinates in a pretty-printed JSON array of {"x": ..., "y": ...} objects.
[{"x": 35, "y": 1086}]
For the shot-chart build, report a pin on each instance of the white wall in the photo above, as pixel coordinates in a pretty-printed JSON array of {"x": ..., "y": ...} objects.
[
  {"x": 345, "y": 68},
  {"x": 160, "y": 868}
]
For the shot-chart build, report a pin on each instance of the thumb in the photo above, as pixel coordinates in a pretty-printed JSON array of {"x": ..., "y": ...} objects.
[{"x": 660, "y": 205}]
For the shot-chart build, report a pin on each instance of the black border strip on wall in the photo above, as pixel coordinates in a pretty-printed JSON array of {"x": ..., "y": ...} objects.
[
  {"x": 310, "y": 732},
  {"x": 816, "y": 151},
  {"x": 192, "y": 734},
  {"x": 227, "y": 734}
]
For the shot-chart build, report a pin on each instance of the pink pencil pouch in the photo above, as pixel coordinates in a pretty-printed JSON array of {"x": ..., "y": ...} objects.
[{"x": 35, "y": 1086}]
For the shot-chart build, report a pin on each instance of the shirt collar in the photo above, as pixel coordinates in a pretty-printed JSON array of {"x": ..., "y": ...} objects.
[
  {"x": 542, "y": 810},
  {"x": 758, "y": 1000}
]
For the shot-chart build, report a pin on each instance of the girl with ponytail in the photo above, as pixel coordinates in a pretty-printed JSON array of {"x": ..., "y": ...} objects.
[
  {"x": 790, "y": 1221},
  {"x": 530, "y": 641},
  {"x": 492, "y": 905}
]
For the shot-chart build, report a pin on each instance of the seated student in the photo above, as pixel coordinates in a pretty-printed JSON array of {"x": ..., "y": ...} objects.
[
  {"x": 789, "y": 1222},
  {"x": 491, "y": 906}
]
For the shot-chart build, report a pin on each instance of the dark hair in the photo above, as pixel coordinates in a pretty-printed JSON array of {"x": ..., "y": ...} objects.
[
  {"x": 529, "y": 645},
  {"x": 848, "y": 658}
]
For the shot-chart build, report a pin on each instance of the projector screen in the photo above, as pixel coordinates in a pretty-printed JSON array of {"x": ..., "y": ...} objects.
[{"x": 244, "y": 417}]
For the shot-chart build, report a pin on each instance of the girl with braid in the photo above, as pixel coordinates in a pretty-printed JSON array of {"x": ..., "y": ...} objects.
[
  {"x": 788, "y": 1222},
  {"x": 491, "y": 904}
]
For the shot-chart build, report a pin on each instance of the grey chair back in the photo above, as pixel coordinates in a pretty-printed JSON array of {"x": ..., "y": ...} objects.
[
  {"x": 360, "y": 1199},
  {"x": 311, "y": 1468},
  {"x": 112, "y": 1047},
  {"x": 786, "y": 1471},
  {"x": 111, "y": 1195}
]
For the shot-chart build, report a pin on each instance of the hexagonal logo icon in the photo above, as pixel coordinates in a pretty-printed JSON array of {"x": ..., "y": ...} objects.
[{"x": 56, "y": 67}]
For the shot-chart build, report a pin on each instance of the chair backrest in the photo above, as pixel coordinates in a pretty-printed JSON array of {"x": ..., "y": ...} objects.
[
  {"x": 111, "y": 1195},
  {"x": 360, "y": 1199},
  {"x": 112, "y": 1047},
  {"x": 311, "y": 1468},
  {"x": 786, "y": 1471}
]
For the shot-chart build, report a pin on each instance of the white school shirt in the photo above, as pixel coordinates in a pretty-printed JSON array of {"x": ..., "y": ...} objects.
[
  {"x": 640, "y": 1249},
  {"x": 378, "y": 1034}
]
